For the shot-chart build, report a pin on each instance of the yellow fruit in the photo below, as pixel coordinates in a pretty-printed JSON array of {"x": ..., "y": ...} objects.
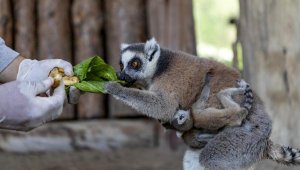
[
  {"x": 58, "y": 74},
  {"x": 70, "y": 80}
]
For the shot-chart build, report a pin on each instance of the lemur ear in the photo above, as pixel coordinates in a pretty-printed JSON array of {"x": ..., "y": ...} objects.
[
  {"x": 152, "y": 49},
  {"x": 123, "y": 46}
]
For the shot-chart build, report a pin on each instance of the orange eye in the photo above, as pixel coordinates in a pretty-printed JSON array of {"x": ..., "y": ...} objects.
[{"x": 135, "y": 64}]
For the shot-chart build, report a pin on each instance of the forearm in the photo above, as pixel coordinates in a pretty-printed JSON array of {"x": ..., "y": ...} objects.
[
  {"x": 11, "y": 71},
  {"x": 146, "y": 102},
  {"x": 9, "y": 63}
]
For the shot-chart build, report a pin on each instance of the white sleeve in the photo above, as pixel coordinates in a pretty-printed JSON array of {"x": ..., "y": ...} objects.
[{"x": 7, "y": 55}]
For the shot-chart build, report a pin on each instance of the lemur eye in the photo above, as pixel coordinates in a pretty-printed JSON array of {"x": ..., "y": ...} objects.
[{"x": 136, "y": 64}]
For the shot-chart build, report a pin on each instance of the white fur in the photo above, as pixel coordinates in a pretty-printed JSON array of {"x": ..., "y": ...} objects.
[
  {"x": 123, "y": 46},
  {"x": 150, "y": 46},
  {"x": 191, "y": 160},
  {"x": 126, "y": 57}
]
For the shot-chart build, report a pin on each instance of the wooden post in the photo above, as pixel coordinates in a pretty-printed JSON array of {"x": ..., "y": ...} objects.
[
  {"x": 172, "y": 24},
  {"x": 125, "y": 23},
  {"x": 87, "y": 19},
  {"x": 54, "y": 35},
  {"x": 270, "y": 36},
  {"x": 25, "y": 27},
  {"x": 6, "y": 22}
]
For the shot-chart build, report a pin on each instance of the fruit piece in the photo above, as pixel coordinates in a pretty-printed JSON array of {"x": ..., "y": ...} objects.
[
  {"x": 70, "y": 80},
  {"x": 58, "y": 74}
]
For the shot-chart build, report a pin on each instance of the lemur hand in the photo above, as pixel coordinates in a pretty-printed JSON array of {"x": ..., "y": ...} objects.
[{"x": 112, "y": 87}]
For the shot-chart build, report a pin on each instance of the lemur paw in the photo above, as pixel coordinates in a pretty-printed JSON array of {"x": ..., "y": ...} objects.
[
  {"x": 112, "y": 87},
  {"x": 241, "y": 84}
]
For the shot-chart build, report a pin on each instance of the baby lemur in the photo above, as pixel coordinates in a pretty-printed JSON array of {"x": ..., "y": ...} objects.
[
  {"x": 211, "y": 118},
  {"x": 175, "y": 80}
]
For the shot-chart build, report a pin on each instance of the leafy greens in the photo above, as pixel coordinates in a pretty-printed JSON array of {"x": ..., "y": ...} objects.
[{"x": 93, "y": 73}]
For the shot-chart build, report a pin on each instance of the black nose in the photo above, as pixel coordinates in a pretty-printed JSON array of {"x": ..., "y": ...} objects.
[{"x": 125, "y": 77}]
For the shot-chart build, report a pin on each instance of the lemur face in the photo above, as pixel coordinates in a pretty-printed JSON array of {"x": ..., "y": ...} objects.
[{"x": 138, "y": 61}]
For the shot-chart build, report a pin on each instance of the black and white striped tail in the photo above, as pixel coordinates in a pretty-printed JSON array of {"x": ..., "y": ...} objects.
[
  {"x": 248, "y": 94},
  {"x": 284, "y": 155},
  {"x": 248, "y": 98}
]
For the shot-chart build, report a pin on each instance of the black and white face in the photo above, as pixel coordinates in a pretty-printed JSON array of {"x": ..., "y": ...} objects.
[{"x": 138, "y": 61}]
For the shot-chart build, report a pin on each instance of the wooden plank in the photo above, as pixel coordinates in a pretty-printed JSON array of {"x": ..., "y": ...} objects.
[
  {"x": 54, "y": 35},
  {"x": 87, "y": 19},
  {"x": 172, "y": 24},
  {"x": 6, "y": 22},
  {"x": 125, "y": 23},
  {"x": 25, "y": 27},
  {"x": 102, "y": 135}
]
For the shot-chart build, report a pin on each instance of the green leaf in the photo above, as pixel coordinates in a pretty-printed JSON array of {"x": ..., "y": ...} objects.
[
  {"x": 91, "y": 86},
  {"x": 93, "y": 74},
  {"x": 95, "y": 69}
]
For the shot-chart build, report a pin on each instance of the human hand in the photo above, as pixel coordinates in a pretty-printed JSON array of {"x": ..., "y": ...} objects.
[
  {"x": 34, "y": 70},
  {"x": 24, "y": 109}
]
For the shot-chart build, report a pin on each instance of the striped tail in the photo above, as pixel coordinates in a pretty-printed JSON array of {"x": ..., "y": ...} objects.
[
  {"x": 248, "y": 93},
  {"x": 282, "y": 154}
]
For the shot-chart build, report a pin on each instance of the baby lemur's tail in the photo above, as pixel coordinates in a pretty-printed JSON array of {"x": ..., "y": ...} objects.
[{"x": 282, "y": 154}]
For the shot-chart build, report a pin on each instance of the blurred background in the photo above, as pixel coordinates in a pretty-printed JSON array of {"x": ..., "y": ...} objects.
[{"x": 260, "y": 38}]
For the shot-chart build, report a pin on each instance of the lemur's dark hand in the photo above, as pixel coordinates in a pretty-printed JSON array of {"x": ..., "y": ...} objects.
[{"x": 112, "y": 87}]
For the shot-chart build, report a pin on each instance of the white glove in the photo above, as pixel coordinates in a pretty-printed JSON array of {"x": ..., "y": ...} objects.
[
  {"x": 22, "y": 108},
  {"x": 34, "y": 70}
]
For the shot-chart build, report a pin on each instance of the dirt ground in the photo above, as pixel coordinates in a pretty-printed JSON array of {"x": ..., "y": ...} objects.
[{"x": 140, "y": 159}]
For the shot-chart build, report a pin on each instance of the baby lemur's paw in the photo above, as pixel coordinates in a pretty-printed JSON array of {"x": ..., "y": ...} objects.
[{"x": 112, "y": 87}]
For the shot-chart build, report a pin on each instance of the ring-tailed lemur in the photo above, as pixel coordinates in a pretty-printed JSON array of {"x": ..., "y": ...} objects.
[{"x": 174, "y": 79}]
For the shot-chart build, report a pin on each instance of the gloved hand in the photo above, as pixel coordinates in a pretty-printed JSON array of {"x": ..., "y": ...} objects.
[
  {"x": 22, "y": 108},
  {"x": 34, "y": 70}
]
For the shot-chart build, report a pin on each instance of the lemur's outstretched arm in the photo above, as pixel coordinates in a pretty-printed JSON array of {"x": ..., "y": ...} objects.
[{"x": 147, "y": 102}]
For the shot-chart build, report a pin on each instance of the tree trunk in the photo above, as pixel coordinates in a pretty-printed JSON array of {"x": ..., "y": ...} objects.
[
  {"x": 88, "y": 24},
  {"x": 270, "y": 35},
  {"x": 54, "y": 35},
  {"x": 6, "y": 22},
  {"x": 25, "y": 27},
  {"x": 125, "y": 23},
  {"x": 172, "y": 24}
]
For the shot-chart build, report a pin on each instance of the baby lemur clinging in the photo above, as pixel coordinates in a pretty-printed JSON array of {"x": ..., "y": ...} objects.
[
  {"x": 211, "y": 118},
  {"x": 174, "y": 79}
]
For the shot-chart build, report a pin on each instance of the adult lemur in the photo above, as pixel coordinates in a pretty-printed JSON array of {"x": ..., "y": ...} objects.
[{"x": 173, "y": 80}]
